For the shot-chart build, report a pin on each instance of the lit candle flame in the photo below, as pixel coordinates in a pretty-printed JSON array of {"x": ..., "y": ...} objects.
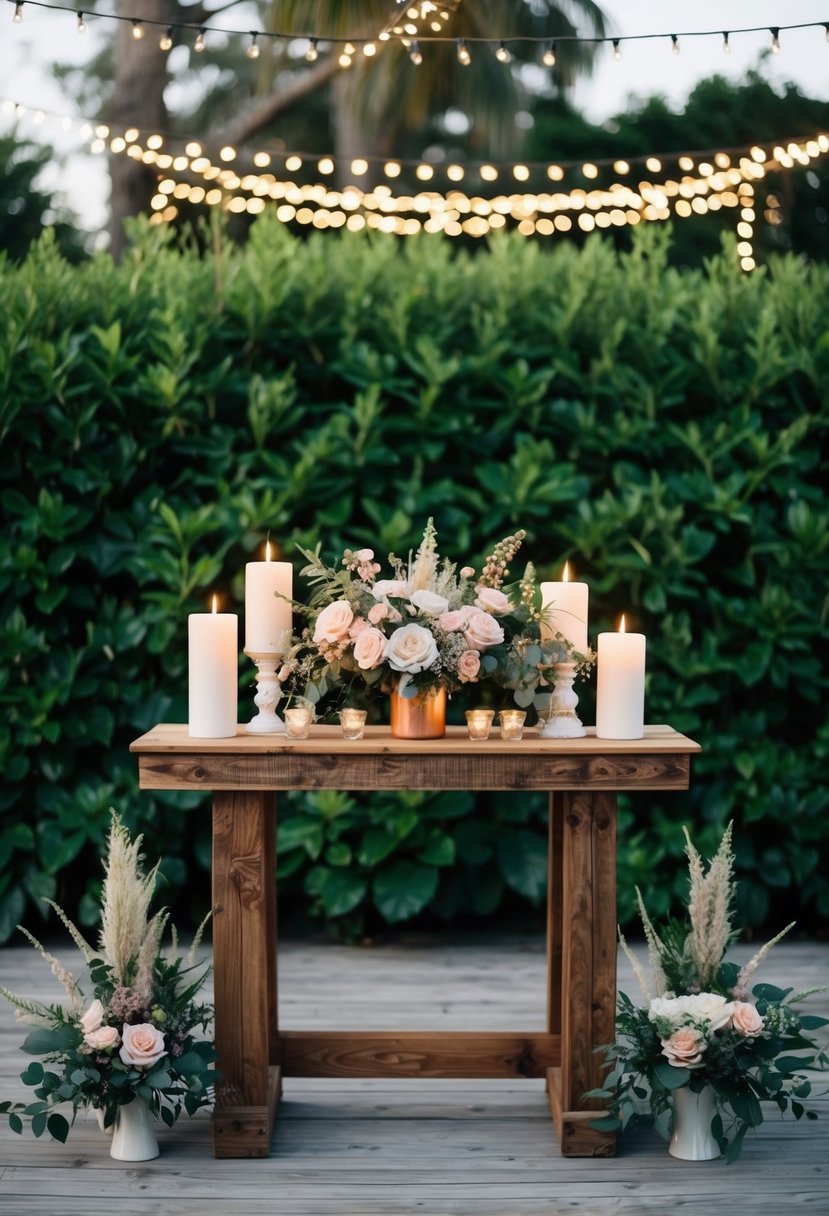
[
  {"x": 565, "y": 574},
  {"x": 622, "y": 624},
  {"x": 215, "y": 604},
  {"x": 267, "y": 550}
]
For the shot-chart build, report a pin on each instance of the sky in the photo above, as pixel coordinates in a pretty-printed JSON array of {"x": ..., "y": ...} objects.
[{"x": 28, "y": 50}]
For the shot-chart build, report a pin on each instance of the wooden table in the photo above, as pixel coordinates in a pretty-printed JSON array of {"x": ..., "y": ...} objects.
[{"x": 582, "y": 777}]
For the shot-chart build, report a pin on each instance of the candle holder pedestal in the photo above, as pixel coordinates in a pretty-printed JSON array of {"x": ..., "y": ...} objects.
[
  {"x": 268, "y": 691},
  {"x": 563, "y": 722}
]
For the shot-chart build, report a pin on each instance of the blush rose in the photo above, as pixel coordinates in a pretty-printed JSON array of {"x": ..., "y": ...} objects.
[
  {"x": 685, "y": 1047},
  {"x": 482, "y": 630},
  {"x": 143, "y": 1045},
  {"x": 333, "y": 622},
  {"x": 102, "y": 1038},
  {"x": 469, "y": 665},
  {"x": 746, "y": 1020},
  {"x": 93, "y": 1017},
  {"x": 490, "y": 599},
  {"x": 369, "y": 648}
]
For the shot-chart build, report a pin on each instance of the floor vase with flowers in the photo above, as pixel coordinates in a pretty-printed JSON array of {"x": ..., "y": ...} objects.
[
  {"x": 419, "y": 717},
  {"x": 692, "y": 1139},
  {"x": 134, "y": 1136}
]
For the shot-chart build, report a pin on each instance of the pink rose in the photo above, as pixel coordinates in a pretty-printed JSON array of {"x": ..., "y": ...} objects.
[
  {"x": 453, "y": 621},
  {"x": 369, "y": 647},
  {"x": 490, "y": 599},
  {"x": 143, "y": 1045},
  {"x": 93, "y": 1017},
  {"x": 378, "y": 613},
  {"x": 482, "y": 630},
  {"x": 357, "y": 626},
  {"x": 469, "y": 664},
  {"x": 684, "y": 1048},
  {"x": 746, "y": 1020},
  {"x": 333, "y": 622},
  {"x": 101, "y": 1039}
]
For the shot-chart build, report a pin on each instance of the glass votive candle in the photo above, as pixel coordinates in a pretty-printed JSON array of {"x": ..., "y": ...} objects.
[
  {"x": 479, "y": 722},
  {"x": 297, "y": 722},
  {"x": 511, "y": 722},
  {"x": 353, "y": 723}
]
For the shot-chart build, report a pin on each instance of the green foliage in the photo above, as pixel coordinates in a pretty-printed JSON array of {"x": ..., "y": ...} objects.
[
  {"x": 25, "y": 210},
  {"x": 663, "y": 429}
]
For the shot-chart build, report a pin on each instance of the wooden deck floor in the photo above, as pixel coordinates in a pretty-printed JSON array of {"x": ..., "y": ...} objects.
[{"x": 380, "y": 1148}]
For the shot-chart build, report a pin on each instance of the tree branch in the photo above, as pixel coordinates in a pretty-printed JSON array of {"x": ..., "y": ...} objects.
[{"x": 244, "y": 128}]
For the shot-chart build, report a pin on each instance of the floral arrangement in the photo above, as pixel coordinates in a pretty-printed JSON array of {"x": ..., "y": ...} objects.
[
  {"x": 703, "y": 1025},
  {"x": 131, "y": 1030},
  {"x": 429, "y": 625}
]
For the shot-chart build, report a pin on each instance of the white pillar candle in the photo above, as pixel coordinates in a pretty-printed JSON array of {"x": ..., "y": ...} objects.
[
  {"x": 213, "y": 673},
  {"x": 620, "y": 687},
  {"x": 566, "y": 610},
  {"x": 267, "y": 616}
]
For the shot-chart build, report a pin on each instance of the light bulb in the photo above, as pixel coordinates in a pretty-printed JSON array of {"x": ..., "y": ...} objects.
[
  {"x": 137, "y": 31},
  {"x": 549, "y": 56},
  {"x": 617, "y": 50},
  {"x": 464, "y": 56},
  {"x": 313, "y": 51},
  {"x": 726, "y": 45},
  {"x": 775, "y": 40},
  {"x": 81, "y": 24},
  {"x": 675, "y": 44},
  {"x": 415, "y": 54},
  {"x": 198, "y": 45},
  {"x": 18, "y": 13},
  {"x": 253, "y": 50},
  {"x": 502, "y": 54},
  {"x": 165, "y": 42}
]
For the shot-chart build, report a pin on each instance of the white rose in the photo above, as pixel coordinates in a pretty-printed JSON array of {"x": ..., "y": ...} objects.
[
  {"x": 102, "y": 1038},
  {"x": 669, "y": 1008},
  {"x": 482, "y": 630},
  {"x": 490, "y": 599},
  {"x": 411, "y": 649},
  {"x": 143, "y": 1045},
  {"x": 369, "y": 648},
  {"x": 429, "y": 603},
  {"x": 390, "y": 586},
  {"x": 709, "y": 1007},
  {"x": 333, "y": 622},
  {"x": 93, "y": 1017}
]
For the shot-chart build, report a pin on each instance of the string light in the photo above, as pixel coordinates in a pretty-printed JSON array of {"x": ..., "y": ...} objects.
[
  {"x": 81, "y": 24},
  {"x": 775, "y": 39},
  {"x": 165, "y": 42},
  {"x": 137, "y": 30},
  {"x": 464, "y": 57},
  {"x": 313, "y": 50},
  {"x": 18, "y": 13},
  {"x": 549, "y": 56},
  {"x": 617, "y": 50},
  {"x": 502, "y": 54},
  {"x": 198, "y": 45},
  {"x": 253, "y": 50},
  {"x": 369, "y": 49},
  {"x": 675, "y": 44},
  {"x": 415, "y": 54},
  {"x": 726, "y": 45}
]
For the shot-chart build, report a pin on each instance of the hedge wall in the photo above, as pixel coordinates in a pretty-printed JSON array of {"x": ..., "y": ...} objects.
[{"x": 662, "y": 428}]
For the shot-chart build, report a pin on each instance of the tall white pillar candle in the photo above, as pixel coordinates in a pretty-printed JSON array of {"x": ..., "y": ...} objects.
[
  {"x": 267, "y": 617},
  {"x": 213, "y": 673},
  {"x": 620, "y": 687},
  {"x": 566, "y": 610}
]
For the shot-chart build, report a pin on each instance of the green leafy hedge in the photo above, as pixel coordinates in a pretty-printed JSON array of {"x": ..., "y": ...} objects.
[{"x": 662, "y": 428}]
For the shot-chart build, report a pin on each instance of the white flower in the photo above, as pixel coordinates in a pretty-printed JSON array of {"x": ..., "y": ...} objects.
[
  {"x": 411, "y": 649},
  {"x": 390, "y": 586},
  {"x": 490, "y": 599},
  {"x": 668, "y": 1008},
  {"x": 429, "y": 603},
  {"x": 709, "y": 1007},
  {"x": 93, "y": 1017},
  {"x": 333, "y": 622}
]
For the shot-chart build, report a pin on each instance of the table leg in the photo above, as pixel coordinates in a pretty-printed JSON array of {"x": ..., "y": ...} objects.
[
  {"x": 582, "y": 959},
  {"x": 244, "y": 956}
]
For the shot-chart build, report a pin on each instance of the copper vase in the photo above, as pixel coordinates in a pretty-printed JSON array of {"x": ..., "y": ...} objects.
[{"x": 420, "y": 717}]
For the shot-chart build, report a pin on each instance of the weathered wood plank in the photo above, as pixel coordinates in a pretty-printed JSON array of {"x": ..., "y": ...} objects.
[{"x": 417, "y": 1054}]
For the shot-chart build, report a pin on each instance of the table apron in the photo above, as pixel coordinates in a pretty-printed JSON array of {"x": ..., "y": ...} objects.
[{"x": 225, "y": 771}]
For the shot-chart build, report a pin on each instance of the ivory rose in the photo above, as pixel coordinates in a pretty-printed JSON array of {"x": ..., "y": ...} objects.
[
  {"x": 93, "y": 1017},
  {"x": 369, "y": 648},
  {"x": 453, "y": 621},
  {"x": 143, "y": 1045},
  {"x": 684, "y": 1048},
  {"x": 411, "y": 649},
  {"x": 102, "y": 1038},
  {"x": 429, "y": 603},
  {"x": 746, "y": 1020},
  {"x": 333, "y": 622},
  {"x": 482, "y": 630},
  {"x": 390, "y": 586},
  {"x": 469, "y": 664},
  {"x": 490, "y": 599},
  {"x": 707, "y": 1007}
]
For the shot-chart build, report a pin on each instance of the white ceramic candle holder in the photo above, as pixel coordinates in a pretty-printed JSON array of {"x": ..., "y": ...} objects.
[
  {"x": 268, "y": 691},
  {"x": 563, "y": 722}
]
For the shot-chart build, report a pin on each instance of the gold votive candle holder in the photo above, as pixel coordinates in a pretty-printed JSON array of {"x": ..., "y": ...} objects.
[
  {"x": 511, "y": 722},
  {"x": 353, "y": 723},
  {"x": 479, "y": 722},
  {"x": 297, "y": 722}
]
